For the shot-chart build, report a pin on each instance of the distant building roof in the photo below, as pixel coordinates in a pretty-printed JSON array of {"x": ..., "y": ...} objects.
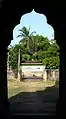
[{"x": 32, "y": 61}]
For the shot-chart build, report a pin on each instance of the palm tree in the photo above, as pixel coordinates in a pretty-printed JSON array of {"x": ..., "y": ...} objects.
[{"x": 25, "y": 34}]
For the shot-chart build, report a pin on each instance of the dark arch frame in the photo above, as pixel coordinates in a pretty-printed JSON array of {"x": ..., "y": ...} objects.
[{"x": 55, "y": 19}]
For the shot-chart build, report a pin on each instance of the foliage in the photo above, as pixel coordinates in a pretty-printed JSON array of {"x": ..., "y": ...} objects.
[
  {"x": 52, "y": 59},
  {"x": 38, "y": 48},
  {"x": 25, "y": 34},
  {"x": 14, "y": 56},
  {"x": 51, "y": 62}
]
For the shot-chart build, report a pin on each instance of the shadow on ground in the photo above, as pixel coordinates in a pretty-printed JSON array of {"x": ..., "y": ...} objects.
[{"x": 43, "y": 101}]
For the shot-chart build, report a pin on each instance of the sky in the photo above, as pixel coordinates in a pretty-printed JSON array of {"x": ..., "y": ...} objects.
[{"x": 37, "y": 22}]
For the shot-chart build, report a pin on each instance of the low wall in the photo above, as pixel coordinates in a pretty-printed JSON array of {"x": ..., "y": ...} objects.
[
  {"x": 29, "y": 68},
  {"x": 46, "y": 74},
  {"x": 32, "y": 74},
  {"x": 12, "y": 74},
  {"x": 51, "y": 74}
]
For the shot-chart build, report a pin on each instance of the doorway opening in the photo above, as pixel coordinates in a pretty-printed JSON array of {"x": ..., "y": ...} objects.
[{"x": 34, "y": 57}]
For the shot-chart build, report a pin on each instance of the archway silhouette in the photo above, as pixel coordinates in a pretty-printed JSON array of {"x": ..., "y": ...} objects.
[
  {"x": 19, "y": 94},
  {"x": 54, "y": 19}
]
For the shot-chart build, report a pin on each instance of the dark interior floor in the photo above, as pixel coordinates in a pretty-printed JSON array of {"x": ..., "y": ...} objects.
[{"x": 40, "y": 102}]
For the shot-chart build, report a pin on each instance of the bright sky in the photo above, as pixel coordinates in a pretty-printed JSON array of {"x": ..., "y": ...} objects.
[{"x": 37, "y": 22}]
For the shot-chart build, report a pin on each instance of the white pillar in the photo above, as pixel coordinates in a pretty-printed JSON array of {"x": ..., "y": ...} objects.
[
  {"x": 54, "y": 75},
  {"x": 18, "y": 75},
  {"x": 45, "y": 75},
  {"x": 19, "y": 64}
]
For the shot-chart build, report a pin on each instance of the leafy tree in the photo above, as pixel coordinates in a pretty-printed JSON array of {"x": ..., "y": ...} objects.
[
  {"x": 25, "y": 34},
  {"x": 41, "y": 54},
  {"x": 52, "y": 59},
  {"x": 54, "y": 49},
  {"x": 14, "y": 56},
  {"x": 51, "y": 62},
  {"x": 44, "y": 43},
  {"x": 40, "y": 48},
  {"x": 25, "y": 57}
]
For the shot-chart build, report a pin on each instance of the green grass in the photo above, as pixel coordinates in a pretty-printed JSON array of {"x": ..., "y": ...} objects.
[
  {"x": 15, "y": 87},
  {"x": 14, "y": 91}
]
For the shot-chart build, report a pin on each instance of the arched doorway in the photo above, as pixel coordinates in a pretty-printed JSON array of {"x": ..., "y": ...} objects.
[
  {"x": 34, "y": 105},
  {"x": 52, "y": 18}
]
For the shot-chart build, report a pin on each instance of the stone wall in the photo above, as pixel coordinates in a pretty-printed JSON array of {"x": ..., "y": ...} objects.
[
  {"x": 12, "y": 74},
  {"x": 51, "y": 74},
  {"x": 45, "y": 75}
]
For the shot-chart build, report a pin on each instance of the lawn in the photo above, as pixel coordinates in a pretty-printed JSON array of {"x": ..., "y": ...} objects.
[
  {"x": 15, "y": 86},
  {"x": 37, "y": 96}
]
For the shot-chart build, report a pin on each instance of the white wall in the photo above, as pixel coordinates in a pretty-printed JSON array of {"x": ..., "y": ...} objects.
[{"x": 32, "y": 68}]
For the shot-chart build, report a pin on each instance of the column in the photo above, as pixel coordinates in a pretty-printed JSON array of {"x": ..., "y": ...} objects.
[
  {"x": 4, "y": 109},
  {"x": 45, "y": 75},
  {"x": 61, "y": 103}
]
